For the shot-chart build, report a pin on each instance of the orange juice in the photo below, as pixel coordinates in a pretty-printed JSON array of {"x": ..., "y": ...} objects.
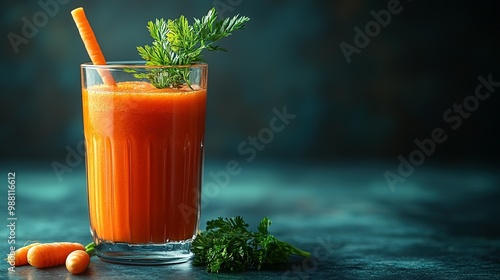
[{"x": 144, "y": 152}]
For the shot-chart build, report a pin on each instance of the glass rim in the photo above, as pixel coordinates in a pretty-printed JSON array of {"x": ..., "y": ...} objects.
[{"x": 137, "y": 64}]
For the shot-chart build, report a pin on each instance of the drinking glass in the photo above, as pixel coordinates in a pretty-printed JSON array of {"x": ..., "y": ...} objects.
[{"x": 144, "y": 160}]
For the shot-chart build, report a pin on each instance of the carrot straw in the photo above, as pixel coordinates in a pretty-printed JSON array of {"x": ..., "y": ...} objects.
[{"x": 90, "y": 42}]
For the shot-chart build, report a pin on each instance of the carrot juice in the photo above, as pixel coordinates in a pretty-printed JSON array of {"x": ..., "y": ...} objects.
[{"x": 144, "y": 159}]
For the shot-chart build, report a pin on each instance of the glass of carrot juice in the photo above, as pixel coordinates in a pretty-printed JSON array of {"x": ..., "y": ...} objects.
[{"x": 144, "y": 161}]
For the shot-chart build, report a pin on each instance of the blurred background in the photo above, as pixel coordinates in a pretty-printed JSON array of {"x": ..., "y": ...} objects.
[
  {"x": 394, "y": 90},
  {"x": 358, "y": 109}
]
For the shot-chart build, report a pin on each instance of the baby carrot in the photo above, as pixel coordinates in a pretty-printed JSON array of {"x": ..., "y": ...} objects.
[
  {"x": 51, "y": 254},
  {"x": 77, "y": 261},
  {"x": 21, "y": 254},
  {"x": 90, "y": 42}
]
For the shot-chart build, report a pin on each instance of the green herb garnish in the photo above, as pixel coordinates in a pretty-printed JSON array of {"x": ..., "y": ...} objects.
[
  {"x": 176, "y": 42},
  {"x": 227, "y": 245}
]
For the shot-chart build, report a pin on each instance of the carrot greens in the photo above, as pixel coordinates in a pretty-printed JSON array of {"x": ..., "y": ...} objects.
[
  {"x": 227, "y": 245},
  {"x": 176, "y": 42}
]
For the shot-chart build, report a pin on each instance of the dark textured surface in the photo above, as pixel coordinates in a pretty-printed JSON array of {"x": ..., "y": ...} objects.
[{"x": 442, "y": 223}]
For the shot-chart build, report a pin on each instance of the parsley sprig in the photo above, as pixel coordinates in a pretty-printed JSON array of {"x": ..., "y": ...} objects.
[
  {"x": 227, "y": 245},
  {"x": 176, "y": 42}
]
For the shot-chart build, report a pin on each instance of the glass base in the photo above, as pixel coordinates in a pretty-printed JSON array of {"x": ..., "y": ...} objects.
[{"x": 144, "y": 254}]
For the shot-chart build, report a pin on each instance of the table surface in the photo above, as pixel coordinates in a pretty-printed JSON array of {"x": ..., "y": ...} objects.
[{"x": 440, "y": 223}]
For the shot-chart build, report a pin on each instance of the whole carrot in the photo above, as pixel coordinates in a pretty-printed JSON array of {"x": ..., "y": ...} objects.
[
  {"x": 51, "y": 254},
  {"x": 77, "y": 261},
  {"x": 21, "y": 254}
]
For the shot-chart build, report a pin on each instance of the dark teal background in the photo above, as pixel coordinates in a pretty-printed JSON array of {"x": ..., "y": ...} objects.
[
  {"x": 323, "y": 176},
  {"x": 393, "y": 92}
]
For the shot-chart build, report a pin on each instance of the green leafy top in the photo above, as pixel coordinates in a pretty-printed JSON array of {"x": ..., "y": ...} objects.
[
  {"x": 227, "y": 245},
  {"x": 176, "y": 42}
]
